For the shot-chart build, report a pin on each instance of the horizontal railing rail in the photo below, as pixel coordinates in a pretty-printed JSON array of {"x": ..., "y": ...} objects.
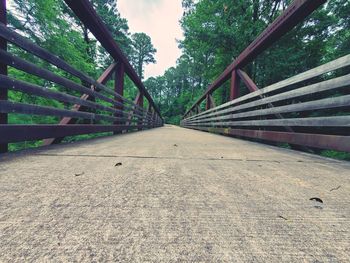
[
  {"x": 259, "y": 109},
  {"x": 103, "y": 108},
  {"x": 292, "y": 16},
  {"x": 311, "y": 109}
]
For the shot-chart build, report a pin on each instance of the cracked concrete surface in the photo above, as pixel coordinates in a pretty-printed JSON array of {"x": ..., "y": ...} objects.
[{"x": 210, "y": 199}]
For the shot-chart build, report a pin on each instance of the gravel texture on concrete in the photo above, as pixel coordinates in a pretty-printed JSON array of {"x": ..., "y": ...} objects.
[{"x": 176, "y": 195}]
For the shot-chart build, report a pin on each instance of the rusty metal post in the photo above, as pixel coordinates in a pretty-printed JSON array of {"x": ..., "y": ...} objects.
[
  {"x": 86, "y": 13},
  {"x": 156, "y": 121},
  {"x": 150, "y": 114},
  {"x": 106, "y": 75},
  {"x": 3, "y": 71},
  {"x": 140, "y": 103},
  {"x": 212, "y": 102},
  {"x": 207, "y": 102},
  {"x": 198, "y": 109},
  {"x": 119, "y": 88},
  {"x": 153, "y": 118},
  {"x": 247, "y": 81},
  {"x": 234, "y": 85}
]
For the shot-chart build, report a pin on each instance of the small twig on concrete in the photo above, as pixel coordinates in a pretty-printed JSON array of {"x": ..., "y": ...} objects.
[
  {"x": 333, "y": 189},
  {"x": 79, "y": 174},
  {"x": 316, "y": 199}
]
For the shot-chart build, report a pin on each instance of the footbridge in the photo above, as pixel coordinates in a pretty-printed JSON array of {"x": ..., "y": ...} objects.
[{"x": 218, "y": 188}]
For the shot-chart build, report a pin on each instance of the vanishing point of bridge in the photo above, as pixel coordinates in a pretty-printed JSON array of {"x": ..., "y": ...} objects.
[{"x": 164, "y": 193}]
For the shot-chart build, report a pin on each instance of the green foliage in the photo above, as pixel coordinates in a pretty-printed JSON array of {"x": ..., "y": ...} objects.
[
  {"x": 86, "y": 137},
  {"x": 216, "y": 32},
  {"x": 118, "y": 26},
  {"x": 336, "y": 155},
  {"x": 24, "y": 145},
  {"x": 52, "y": 25}
]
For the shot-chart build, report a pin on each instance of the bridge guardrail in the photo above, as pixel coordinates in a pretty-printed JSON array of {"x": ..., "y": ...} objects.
[
  {"x": 264, "y": 113},
  {"x": 116, "y": 114},
  {"x": 310, "y": 109}
]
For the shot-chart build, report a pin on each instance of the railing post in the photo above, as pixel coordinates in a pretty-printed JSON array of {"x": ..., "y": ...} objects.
[
  {"x": 140, "y": 103},
  {"x": 158, "y": 121},
  {"x": 209, "y": 102},
  {"x": 198, "y": 109},
  {"x": 152, "y": 118},
  {"x": 234, "y": 85},
  {"x": 3, "y": 71},
  {"x": 247, "y": 81},
  {"x": 150, "y": 114},
  {"x": 119, "y": 88},
  {"x": 144, "y": 119},
  {"x": 212, "y": 101}
]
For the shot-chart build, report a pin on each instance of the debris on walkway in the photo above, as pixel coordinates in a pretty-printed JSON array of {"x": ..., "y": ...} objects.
[
  {"x": 282, "y": 217},
  {"x": 165, "y": 204},
  {"x": 316, "y": 199},
  {"x": 334, "y": 189}
]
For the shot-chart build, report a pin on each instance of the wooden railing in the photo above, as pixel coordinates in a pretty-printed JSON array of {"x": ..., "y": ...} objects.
[
  {"x": 316, "y": 118},
  {"x": 311, "y": 109},
  {"x": 109, "y": 111}
]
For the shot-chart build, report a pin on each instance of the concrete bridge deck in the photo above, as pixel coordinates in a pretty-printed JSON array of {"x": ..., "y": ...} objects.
[{"x": 179, "y": 195}]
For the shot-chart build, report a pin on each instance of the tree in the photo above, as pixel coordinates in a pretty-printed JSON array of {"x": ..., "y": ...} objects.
[
  {"x": 49, "y": 25},
  {"x": 143, "y": 52},
  {"x": 216, "y": 32},
  {"x": 52, "y": 25},
  {"x": 118, "y": 26}
]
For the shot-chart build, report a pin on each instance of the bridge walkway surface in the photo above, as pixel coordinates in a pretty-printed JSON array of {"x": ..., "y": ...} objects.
[{"x": 176, "y": 195}]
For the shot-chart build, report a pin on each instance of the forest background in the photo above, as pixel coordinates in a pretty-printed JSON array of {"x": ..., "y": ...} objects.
[{"x": 215, "y": 32}]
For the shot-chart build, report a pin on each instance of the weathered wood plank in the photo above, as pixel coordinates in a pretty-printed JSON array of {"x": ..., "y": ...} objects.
[
  {"x": 305, "y": 106},
  {"x": 18, "y": 133},
  {"x": 3, "y": 70},
  {"x": 23, "y": 108},
  {"x": 9, "y": 83},
  {"x": 328, "y": 67},
  {"x": 293, "y": 15},
  {"x": 335, "y": 121},
  {"x": 42, "y": 53},
  {"x": 31, "y": 68},
  {"x": 314, "y": 88},
  {"x": 76, "y": 107},
  {"x": 331, "y": 142}
]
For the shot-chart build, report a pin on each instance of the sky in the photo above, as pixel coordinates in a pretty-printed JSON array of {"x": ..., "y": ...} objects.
[{"x": 160, "y": 20}]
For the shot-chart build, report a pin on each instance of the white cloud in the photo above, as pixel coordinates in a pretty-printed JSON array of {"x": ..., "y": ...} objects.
[{"x": 160, "y": 20}]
